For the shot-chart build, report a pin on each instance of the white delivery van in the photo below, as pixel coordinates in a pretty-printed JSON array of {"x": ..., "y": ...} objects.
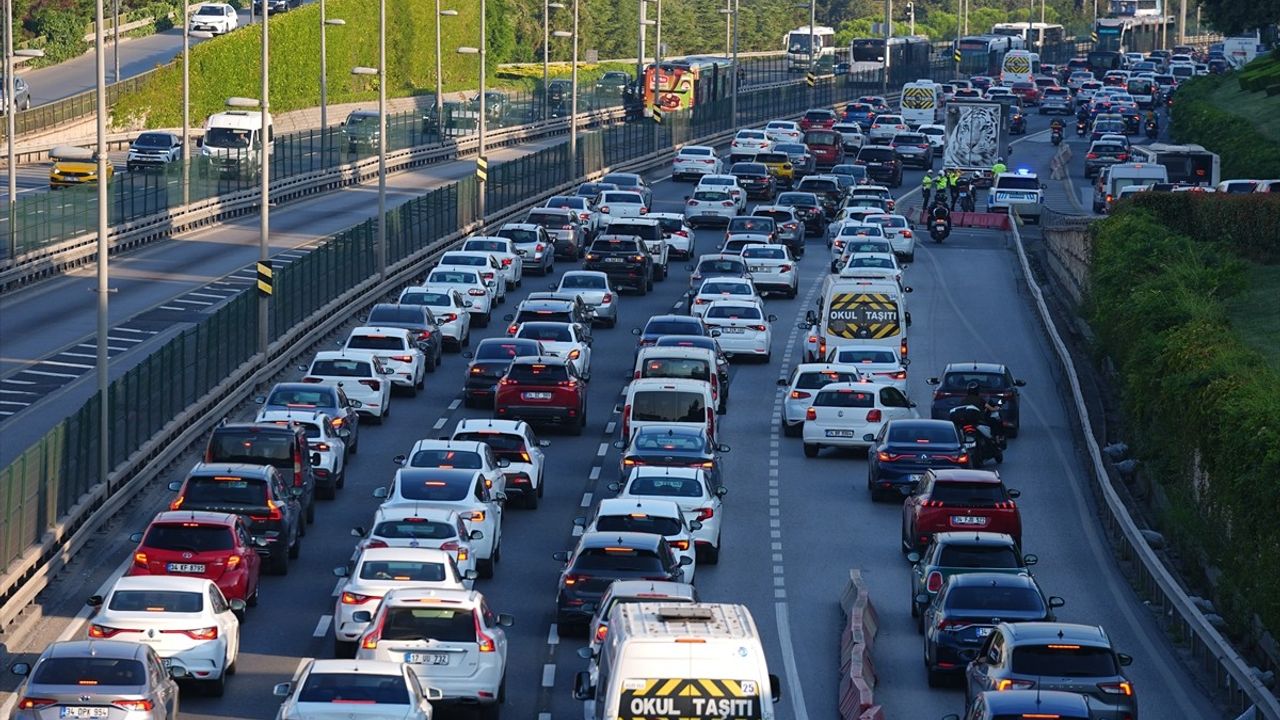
[
  {"x": 921, "y": 102},
  {"x": 232, "y": 143},
  {"x": 1019, "y": 66},
  {"x": 1122, "y": 175},
  {"x": 668, "y": 400},
  {"x": 662, "y": 661},
  {"x": 688, "y": 363},
  {"x": 866, "y": 311}
]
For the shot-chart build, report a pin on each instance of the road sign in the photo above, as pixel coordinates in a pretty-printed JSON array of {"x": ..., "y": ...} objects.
[
  {"x": 265, "y": 278},
  {"x": 956, "y": 56},
  {"x": 657, "y": 114},
  {"x": 811, "y": 79},
  {"x": 482, "y": 168}
]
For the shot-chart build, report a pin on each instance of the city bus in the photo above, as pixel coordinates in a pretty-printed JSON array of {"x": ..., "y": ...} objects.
[
  {"x": 1186, "y": 164},
  {"x": 904, "y": 50},
  {"x": 1035, "y": 35},
  {"x": 796, "y": 44},
  {"x": 984, "y": 54},
  {"x": 688, "y": 82}
]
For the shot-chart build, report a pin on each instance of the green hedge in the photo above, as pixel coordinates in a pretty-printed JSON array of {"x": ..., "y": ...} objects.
[
  {"x": 1249, "y": 224},
  {"x": 1202, "y": 405},
  {"x": 1246, "y": 152}
]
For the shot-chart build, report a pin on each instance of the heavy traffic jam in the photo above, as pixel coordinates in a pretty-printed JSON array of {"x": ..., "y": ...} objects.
[{"x": 541, "y": 331}]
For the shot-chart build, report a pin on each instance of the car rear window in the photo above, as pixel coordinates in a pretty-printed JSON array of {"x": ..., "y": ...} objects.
[
  {"x": 618, "y": 559},
  {"x": 711, "y": 287},
  {"x": 845, "y": 397},
  {"x": 375, "y": 342},
  {"x": 690, "y": 368},
  {"x": 749, "y": 169},
  {"x": 225, "y": 490},
  {"x": 673, "y": 326},
  {"x": 982, "y": 600},
  {"x": 877, "y": 154},
  {"x": 415, "y": 528},
  {"x": 395, "y": 314},
  {"x": 1064, "y": 660},
  {"x": 89, "y": 671},
  {"x": 191, "y": 537},
  {"x": 505, "y": 445},
  {"x": 434, "y": 488},
  {"x": 764, "y": 252},
  {"x": 538, "y": 373},
  {"x": 454, "y": 276},
  {"x": 822, "y": 138},
  {"x": 910, "y": 138},
  {"x": 986, "y": 381},
  {"x": 302, "y": 396},
  {"x": 175, "y": 601},
  {"x": 584, "y": 282},
  {"x": 711, "y": 195},
  {"x": 722, "y": 266},
  {"x": 341, "y": 368},
  {"x": 752, "y": 225},
  {"x": 615, "y": 246},
  {"x": 660, "y": 486},
  {"x": 639, "y": 522},
  {"x": 772, "y": 158},
  {"x": 494, "y": 245},
  {"x": 520, "y": 235},
  {"x": 667, "y": 406},
  {"x": 816, "y": 379},
  {"x": 871, "y": 262},
  {"x": 822, "y": 186},
  {"x": 649, "y": 231},
  {"x": 546, "y": 332},
  {"x": 1017, "y": 183},
  {"x": 624, "y": 198},
  {"x": 733, "y": 312},
  {"x": 354, "y": 688},
  {"x": 996, "y": 557},
  {"x": 402, "y": 570},
  {"x": 433, "y": 299},
  {"x": 668, "y": 439},
  {"x": 777, "y": 215},
  {"x": 923, "y": 434},
  {"x": 547, "y": 219},
  {"x": 671, "y": 224},
  {"x": 445, "y": 458},
  {"x": 525, "y": 316},
  {"x": 965, "y": 493},
  {"x": 699, "y": 151},
  {"x": 1110, "y": 149},
  {"x": 430, "y": 623},
  {"x": 504, "y": 350},
  {"x": 564, "y": 201},
  {"x": 468, "y": 260}
]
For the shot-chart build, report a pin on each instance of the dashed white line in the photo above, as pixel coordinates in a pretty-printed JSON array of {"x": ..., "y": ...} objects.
[
  {"x": 322, "y": 627},
  {"x": 548, "y": 675},
  {"x": 604, "y": 449},
  {"x": 14, "y": 402},
  {"x": 170, "y": 307},
  {"x": 454, "y": 405},
  {"x": 185, "y": 301},
  {"x": 83, "y": 355},
  {"x": 440, "y": 423},
  {"x": 109, "y": 345},
  {"x": 136, "y": 330},
  {"x": 595, "y": 473},
  {"x": 609, "y": 426},
  {"x": 586, "y": 500},
  {"x": 18, "y": 382},
  {"x": 553, "y": 635},
  {"x": 65, "y": 364}
]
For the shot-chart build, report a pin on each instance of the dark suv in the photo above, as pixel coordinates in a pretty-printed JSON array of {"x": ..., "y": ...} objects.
[
  {"x": 624, "y": 258},
  {"x": 257, "y": 492},
  {"x": 283, "y": 447},
  {"x": 913, "y": 148},
  {"x": 755, "y": 179},
  {"x": 996, "y": 385},
  {"x": 601, "y": 558},
  {"x": 489, "y": 364},
  {"x": 882, "y": 163},
  {"x": 808, "y": 207},
  {"x": 1102, "y": 154},
  {"x": 828, "y": 190}
]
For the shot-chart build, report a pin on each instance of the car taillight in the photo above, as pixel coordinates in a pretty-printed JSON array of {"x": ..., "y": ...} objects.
[
  {"x": 208, "y": 633},
  {"x": 311, "y": 380},
  {"x": 449, "y": 317},
  {"x": 371, "y": 638},
  {"x": 322, "y": 447},
  {"x": 602, "y": 632},
  {"x": 692, "y": 203},
  {"x": 374, "y": 385},
  {"x": 540, "y": 247},
  {"x": 608, "y": 298},
  {"x": 571, "y": 580},
  {"x": 705, "y": 514},
  {"x": 638, "y": 258},
  {"x": 477, "y": 292},
  {"x": 1117, "y": 688},
  {"x": 402, "y": 358},
  {"x": 484, "y": 643},
  {"x": 476, "y": 516},
  {"x": 800, "y": 395},
  {"x": 35, "y": 703},
  {"x": 274, "y": 513},
  {"x": 626, "y": 422},
  {"x": 934, "y": 582},
  {"x": 562, "y": 227},
  {"x": 374, "y": 544},
  {"x": 102, "y": 631},
  {"x": 140, "y": 559},
  {"x": 810, "y": 414},
  {"x": 945, "y": 624},
  {"x": 681, "y": 233},
  {"x": 902, "y": 347},
  {"x": 874, "y": 415},
  {"x": 511, "y": 329},
  {"x": 506, "y": 262},
  {"x": 644, "y": 211},
  {"x": 900, "y": 375},
  {"x": 591, "y": 257},
  {"x": 906, "y": 233},
  {"x": 1122, "y": 157},
  {"x": 784, "y": 268},
  {"x": 1011, "y": 684},
  {"x": 883, "y": 456},
  {"x": 603, "y": 208},
  {"x": 679, "y": 544},
  {"x": 489, "y": 275},
  {"x": 350, "y": 598},
  {"x": 726, "y": 203},
  {"x": 424, "y": 335},
  {"x": 135, "y": 705}
]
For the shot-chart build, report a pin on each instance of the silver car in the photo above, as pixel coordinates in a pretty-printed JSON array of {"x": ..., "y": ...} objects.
[
  {"x": 355, "y": 689},
  {"x": 565, "y": 229},
  {"x": 594, "y": 289},
  {"x": 789, "y": 225},
  {"x": 22, "y": 93},
  {"x": 97, "y": 679}
]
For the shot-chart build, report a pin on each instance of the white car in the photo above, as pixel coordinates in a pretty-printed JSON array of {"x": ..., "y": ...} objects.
[
  {"x": 728, "y": 183},
  {"x": 848, "y": 235},
  {"x": 468, "y": 282},
  {"x": 692, "y": 491},
  {"x": 937, "y": 135},
  {"x": 854, "y": 215},
  {"x": 722, "y": 288},
  {"x": 898, "y": 229},
  {"x": 458, "y": 454},
  {"x": 695, "y": 160},
  {"x": 515, "y": 442},
  {"x": 323, "y": 442},
  {"x": 186, "y": 620},
  {"x": 533, "y": 244},
  {"x": 216, "y": 18},
  {"x": 452, "y": 489},
  {"x": 484, "y": 263},
  {"x": 678, "y": 234},
  {"x": 881, "y": 363},
  {"x": 710, "y": 207},
  {"x": 566, "y": 340},
  {"x": 618, "y": 204},
  {"x": 848, "y": 415},
  {"x": 805, "y": 382},
  {"x": 421, "y": 527},
  {"x": 744, "y": 328},
  {"x": 783, "y": 131},
  {"x": 336, "y": 688},
  {"x": 588, "y": 218},
  {"x": 378, "y": 571},
  {"x": 871, "y": 265},
  {"x": 451, "y": 309},
  {"x": 450, "y": 639},
  {"x": 772, "y": 268},
  {"x": 884, "y": 127},
  {"x": 397, "y": 349},
  {"x": 503, "y": 251},
  {"x": 594, "y": 289},
  {"x": 749, "y": 142},
  {"x": 850, "y": 136},
  {"x": 360, "y": 374},
  {"x": 652, "y": 516}
]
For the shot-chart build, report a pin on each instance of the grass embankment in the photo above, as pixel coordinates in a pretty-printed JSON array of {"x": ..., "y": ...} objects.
[
  {"x": 1235, "y": 116},
  {"x": 1255, "y": 312}
]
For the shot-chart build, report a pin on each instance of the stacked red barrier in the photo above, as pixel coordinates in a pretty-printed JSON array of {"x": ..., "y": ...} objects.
[{"x": 857, "y": 673}]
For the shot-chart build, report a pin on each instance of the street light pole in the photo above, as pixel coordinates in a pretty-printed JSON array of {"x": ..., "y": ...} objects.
[
  {"x": 186, "y": 103},
  {"x": 573, "y": 101},
  {"x": 731, "y": 15},
  {"x": 813, "y": 39},
  {"x": 11, "y": 109},
  {"x": 264, "y": 186},
  {"x": 115, "y": 41},
  {"x": 657, "y": 72},
  {"x": 380, "y": 223},
  {"x": 103, "y": 287},
  {"x": 439, "y": 76},
  {"x": 640, "y": 51},
  {"x": 481, "y": 161}
]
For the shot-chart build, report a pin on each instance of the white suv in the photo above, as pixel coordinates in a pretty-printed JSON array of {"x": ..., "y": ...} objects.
[
  {"x": 450, "y": 638},
  {"x": 398, "y": 351}
]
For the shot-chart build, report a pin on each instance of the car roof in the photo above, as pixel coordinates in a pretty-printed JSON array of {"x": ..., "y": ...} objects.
[
  {"x": 356, "y": 667},
  {"x": 493, "y": 424},
  {"x": 546, "y": 303},
  {"x": 960, "y": 537},
  {"x": 949, "y": 475},
  {"x": 203, "y": 517},
  {"x": 1057, "y": 632},
  {"x": 95, "y": 648},
  {"x": 613, "y": 538},
  {"x": 183, "y": 583},
  {"x": 261, "y": 472},
  {"x": 920, "y": 423},
  {"x": 975, "y": 367},
  {"x": 646, "y": 588},
  {"x": 628, "y": 505}
]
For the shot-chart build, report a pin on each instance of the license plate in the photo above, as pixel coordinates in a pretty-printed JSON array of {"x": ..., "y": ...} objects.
[
  {"x": 984, "y": 631},
  {"x": 710, "y": 214},
  {"x": 426, "y": 658},
  {"x": 840, "y": 433},
  {"x": 185, "y": 568},
  {"x": 536, "y": 395},
  {"x": 732, "y": 331},
  {"x": 968, "y": 520},
  {"x": 85, "y": 712},
  {"x": 758, "y": 268},
  {"x": 522, "y": 253},
  {"x": 613, "y": 260}
]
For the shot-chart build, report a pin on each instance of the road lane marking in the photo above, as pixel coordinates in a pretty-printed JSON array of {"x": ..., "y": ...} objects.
[
  {"x": 608, "y": 428},
  {"x": 548, "y": 676},
  {"x": 595, "y": 473},
  {"x": 65, "y": 364},
  {"x": 553, "y": 635},
  {"x": 136, "y": 330},
  {"x": 322, "y": 627},
  {"x": 604, "y": 448},
  {"x": 454, "y": 405},
  {"x": 50, "y": 374},
  {"x": 586, "y": 500},
  {"x": 440, "y": 423}
]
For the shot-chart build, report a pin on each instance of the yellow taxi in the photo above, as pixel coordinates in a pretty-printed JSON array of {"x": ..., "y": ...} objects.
[
  {"x": 75, "y": 166},
  {"x": 780, "y": 167}
]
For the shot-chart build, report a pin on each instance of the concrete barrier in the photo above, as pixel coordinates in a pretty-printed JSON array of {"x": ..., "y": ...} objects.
[
  {"x": 857, "y": 673},
  {"x": 873, "y": 713}
]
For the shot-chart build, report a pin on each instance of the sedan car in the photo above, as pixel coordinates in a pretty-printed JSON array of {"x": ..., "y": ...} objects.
[
  {"x": 744, "y": 328},
  {"x": 329, "y": 399},
  {"x": 78, "y": 678},
  {"x": 885, "y": 127},
  {"x": 653, "y": 516},
  {"x": 468, "y": 281},
  {"x": 747, "y": 143},
  {"x": 503, "y": 250},
  {"x": 722, "y": 288},
  {"x": 403, "y": 359},
  {"x": 808, "y": 207},
  {"x": 568, "y": 341},
  {"x": 324, "y": 688},
  {"x": 728, "y": 183},
  {"x": 773, "y": 269},
  {"x": 676, "y": 233},
  {"x": 217, "y": 18},
  {"x": 533, "y": 244},
  {"x": 568, "y": 233},
  {"x": 594, "y": 289},
  {"x": 449, "y": 308},
  {"x": 453, "y": 489},
  {"x": 903, "y": 450},
  {"x": 714, "y": 207},
  {"x": 677, "y": 445},
  {"x": 803, "y": 162},
  {"x": 693, "y": 491},
  {"x": 695, "y": 161},
  {"x": 755, "y": 179},
  {"x": 788, "y": 224},
  {"x": 421, "y": 527},
  {"x": 360, "y": 373},
  {"x": 783, "y": 131}
]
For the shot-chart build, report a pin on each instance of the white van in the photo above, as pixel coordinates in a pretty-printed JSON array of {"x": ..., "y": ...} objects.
[
  {"x": 689, "y": 363},
  {"x": 232, "y": 142},
  {"x": 866, "y": 311},
  {"x": 699, "y": 660},
  {"x": 921, "y": 102},
  {"x": 1122, "y": 175},
  {"x": 652, "y": 401},
  {"x": 1019, "y": 66}
]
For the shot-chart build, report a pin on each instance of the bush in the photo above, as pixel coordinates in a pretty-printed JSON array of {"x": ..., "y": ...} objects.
[
  {"x": 1249, "y": 224},
  {"x": 1203, "y": 405},
  {"x": 64, "y": 35},
  {"x": 1245, "y": 151}
]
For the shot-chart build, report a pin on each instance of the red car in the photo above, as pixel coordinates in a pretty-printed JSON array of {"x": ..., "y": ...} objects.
[
  {"x": 957, "y": 500},
  {"x": 1028, "y": 91},
  {"x": 543, "y": 389},
  {"x": 213, "y": 545},
  {"x": 826, "y": 146},
  {"x": 818, "y": 119}
]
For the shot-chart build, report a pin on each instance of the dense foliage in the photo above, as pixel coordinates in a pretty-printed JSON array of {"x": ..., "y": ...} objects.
[
  {"x": 1202, "y": 404},
  {"x": 1200, "y": 118}
]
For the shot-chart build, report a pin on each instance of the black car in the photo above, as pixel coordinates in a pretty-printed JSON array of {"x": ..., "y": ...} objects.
[
  {"x": 613, "y": 83},
  {"x": 624, "y": 258},
  {"x": 904, "y": 450},
  {"x": 601, "y": 558},
  {"x": 1101, "y": 154},
  {"x": 559, "y": 91},
  {"x": 284, "y": 447},
  {"x": 671, "y": 446},
  {"x": 808, "y": 207},
  {"x": 489, "y": 363},
  {"x": 416, "y": 318},
  {"x": 275, "y": 6},
  {"x": 329, "y": 399},
  {"x": 660, "y": 325},
  {"x": 882, "y": 164},
  {"x": 960, "y": 617},
  {"x": 996, "y": 385},
  {"x": 257, "y": 492},
  {"x": 829, "y": 191},
  {"x": 593, "y": 189},
  {"x": 755, "y": 179}
]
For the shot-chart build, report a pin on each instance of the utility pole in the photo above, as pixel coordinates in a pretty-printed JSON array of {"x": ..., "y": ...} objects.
[
  {"x": 115, "y": 41},
  {"x": 1182, "y": 22},
  {"x": 104, "y": 254},
  {"x": 911, "y": 14},
  {"x": 640, "y": 52}
]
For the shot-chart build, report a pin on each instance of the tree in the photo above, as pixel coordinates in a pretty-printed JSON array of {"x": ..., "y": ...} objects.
[{"x": 1234, "y": 17}]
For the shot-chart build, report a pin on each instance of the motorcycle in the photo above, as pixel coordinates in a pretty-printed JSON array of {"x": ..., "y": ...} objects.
[
  {"x": 1017, "y": 124},
  {"x": 1080, "y": 128},
  {"x": 964, "y": 198},
  {"x": 1152, "y": 130},
  {"x": 978, "y": 441},
  {"x": 939, "y": 224},
  {"x": 1055, "y": 136}
]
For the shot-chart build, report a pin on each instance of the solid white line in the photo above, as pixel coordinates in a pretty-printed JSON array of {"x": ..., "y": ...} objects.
[
  {"x": 794, "y": 688},
  {"x": 109, "y": 345},
  {"x": 50, "y": 374},
  {"x": 586, "y": 500},
  {"x": 208, "y": 295},
  {"x": 18, "y": 382},
  {"x": 322, "y": 627},
  {"x": 65, "y": 364},
  {"x": 595, "y": 471},
  {"x": 604, "y": 448},
  {"x": 548, "y": 676},
  {"x": 14, "y": 402},
  {"x": 454, "y": 405},
  {"x": 440, "y": 423},
  {"x": 170, "y": 307},
  {"x": 553, "y": 635}
]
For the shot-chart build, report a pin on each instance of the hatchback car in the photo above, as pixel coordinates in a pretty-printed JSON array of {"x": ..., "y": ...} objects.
[
  {"x": 533, "y": 244},
  {"x": 913, "y": 148},
  {"x": 755, "y": 179},
  {"x": 450, "y": 310},
  {"x": 155, "y": 150},
  {"x": 595, "y": 291},
  {"x": 903, "y": 450},
  {"x": 322, "y": 688},
  {"x": 773, "y": 269},
  {"x": 999, "y": 705},
  {"x": 462, "y": 490},
  {"x": 699, "y": 498},
  {"x": 419, "y": 320},
  {"x": 543, "y": 389},
  {"x": 959, "y": 552},
  {"x": 710, "y": 207},
  {"x": 656, "y": 517},
  {"x": 489, "y": 364},
  {"x": 325, "y": 398},
  {"x": 808, "y": 207},
  {"x": 603, "y": 557},
  {"x": 805, "y": 380},
  {"x": 211, "y": 545},
  {"x": 882, "y": 163},
  {"x": 82, "y": 678},
  {"x": 567, "y": 232},
  {"x": 849, "y": 415},
  {"x": 404, "y": 359},
  {"x": 995, "y": 384},
  {"x": 817, "y": 118},
  {"x": 953, "y": 500},
  {"x": 745, "y": 330},
  {"x": 695, "y": 161},
  {"x": 788, "y": 225}
]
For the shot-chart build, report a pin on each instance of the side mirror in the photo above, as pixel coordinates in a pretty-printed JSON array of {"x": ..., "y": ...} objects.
[
  {"x": 260, "y": 400},
  {"x": 508, "y": 317},
  {"x": 357, "y": 532},
  {"x": 94, "y": 601},
  {"x": 585, "y": 653},
  {"x": 772, "y": 318},
  {"x": 296, "y": 491},
  {"x": 470, "y": 575},
  {"x": 905, "y": 362},
  {"x": 1056, "y": 602},
  {"x": 723, "y": 448},
  {"x": 695, "y": 525},
  {"x": 353, "y": 404},
  {"x": 913, "y": 557},
  {"x": 922, "y": 598},
  {"x": 388, "y": 371},
  {"x": 178, "y": 673},
  {"x": 400, "y": 459},
  {"x": 175, "y": 486},
  {"x": 362, "y": 616},
  {"x": 1125, "y": 660},
  {"x": 783, "y": 382},
  {"x": 615, "y": 487},
  {"x": 237, "y": 606},
  {"x": 1030, "y": 559},
  {"x": 341, "y": 571},
  {"x": 544, "y": 443},
  {"x": 380, "y": 493},
  {"x": 775, "y": 687},
  {"x": 908, "y": 289},
  {"x": 316, "y": 459},
  {"x": 468, "y": 355},
  {"x": 715, "y": 333},
  {"x": 582, "y": 687},
  {"x": 506, "y": 620},
  {"x": 932, "y": 381},
  {"x": 1020, "y": 383},
  {"x": 434, "y": 694},
  {"x": 722, "y": 491},
  {"x": 635, "y": 331},
  {"x": 259, "y": 542},
  {"x": 562, "y": 556},
  {"x": 685, "y": 560},
  {"x": 135, "y": 537},
  {"x": 424, "y": 346},
  {"x": 476, "y": 535},
  {"x": 1015, "y": 493},
  {"x": 282, "y": 689},
  {"x": 619, "y": 444},
  {"x": 580, "y": 522}
]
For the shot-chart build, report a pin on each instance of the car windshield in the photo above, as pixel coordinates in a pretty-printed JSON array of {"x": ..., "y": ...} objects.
[
  {"x": 434, "y": 488},
  {"x": 617, "y": 559},
  {"x": 222, "y": 137},
  {"x": 354, "y": 688},
  {"x": 668, "y": 406},
  {"x": 660, "y": 486},
  {"x": 189, "y": 536},
  {"x": 986, "y": 381},
  {"x": 168, "y": 601},
  {"x": 987, "y": 599},
  {"x": 923, "y": 434},
  {"x": 433, "y": 299},
  {"x": 89, "y": 671},
  {"x": 401, "y": 571},
  {"x": 639, "y": 522},
  {"x": 538, "y": 373},
  {"x": 673, "y": 326},
  {"x": 444, "y": 458},
  {"x": 845, "y": 398},
  {"x": 1064, "y": 660},
  {"x": 153, "y": 140},
  {"x": 205, "y": 490},
  {"x": 375, "y": 342},
  {"x": 691, "y": 368},
  {"x": 584, "y": 282},
  {"x": 813, "y": 380},
  {"x": 733, "y": 312},
  {"x": 210, "y": 10},
  {"x": 996, "y": 557},
  {"x": 451, "y": 625},
  {"x": 967, "y": 493},
  {"x": 415, "y": 528},
  {"x": 499, "y": 350}
]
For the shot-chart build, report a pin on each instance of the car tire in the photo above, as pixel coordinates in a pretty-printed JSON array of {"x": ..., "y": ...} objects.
[
  {"x": 252, "y": 600},
  {"x": 343, "y": 650},
  {"x": 710, "y": 555},
  {"x": 490, "y": 711},
  {"x": 216, "y": 687},
  {"x": 279, "y": 564},
  {"x": 296, "y": 549},
  {"x": 311, "y": 517},
  {"x": 468, "y": 401},
  {"x": 811, "y": 450},
  {"x": 484, "y": 568},
  {"x": 648, "y": 283},
  {"x": 430, "y": 365},
  {"x": 576, "y": 428},
  {"x": 791, "y": 430},
  {"x": 484, "y": 320},
  {"x": 935, "y": 678},
  {"x": 326, "y": 493},
  {"x": 529, "y": 501},
  {"x": 342, "y": 478}
]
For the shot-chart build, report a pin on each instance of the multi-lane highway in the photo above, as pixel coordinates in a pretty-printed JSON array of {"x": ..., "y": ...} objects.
[{"x": 793, "y": 525}]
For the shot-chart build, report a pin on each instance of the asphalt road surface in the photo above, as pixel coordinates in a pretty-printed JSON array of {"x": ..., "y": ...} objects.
[{"x": 790, "y": 536}]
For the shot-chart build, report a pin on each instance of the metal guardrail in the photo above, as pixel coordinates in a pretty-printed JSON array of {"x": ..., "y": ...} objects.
[
  {"x": 61, "y": 112},
  {"x": 1214, "y": 655}
]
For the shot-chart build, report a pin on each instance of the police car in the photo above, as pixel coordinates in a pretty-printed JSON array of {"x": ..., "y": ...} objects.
[{"x": 1018, "y": 192}]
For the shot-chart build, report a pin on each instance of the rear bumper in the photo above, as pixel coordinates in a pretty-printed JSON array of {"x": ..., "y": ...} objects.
[{"x": 537, "y": 413}]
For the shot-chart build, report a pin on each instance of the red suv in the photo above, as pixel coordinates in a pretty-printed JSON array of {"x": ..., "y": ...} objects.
[
  {"x": 543, "y": 389},
  {"x": 1028, "y": 91},
  {"x": 212, "y": 545},
  {"x": 826, "y": 146},
  {"x": 818, "y": 118},
  {"x": 957, "y": 500}
]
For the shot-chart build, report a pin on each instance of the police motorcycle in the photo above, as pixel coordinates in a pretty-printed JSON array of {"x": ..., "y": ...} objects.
[{"x": 939, "y": 221}]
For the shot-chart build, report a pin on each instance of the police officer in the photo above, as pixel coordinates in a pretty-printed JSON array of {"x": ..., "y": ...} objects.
[
  {"x": 926, "y": 187},
  {"x": 953, "y": 178},
  {"x": 940, "y": 188}
]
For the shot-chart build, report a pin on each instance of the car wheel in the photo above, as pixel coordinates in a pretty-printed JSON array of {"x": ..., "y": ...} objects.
[
  {"x": 541, "y": 486},
  {"x": 911, "y": 257},
  {"x": 791, "y": 430},
  {"x": 648, "y": 283},
  {"x": 936, "y": 679},
  {"x": 326, "y": 493},
  {"x": 342, "y": 478},
  {"x": 1011, "y": 431},
  {"x": 710, "y": 555},
  {"x": 430, "y": 365},
  {"x": 252, "y": 600},
  {"x": 490, "y": 711},
  {"x": 484, "y": 568},
  {"x": 529, "y": 501},
  {"x": 484, "y": 320},
  {"x": 810, "y": 450},
  {"x": 576, "y": 428},
  {"x": 296, "y": 548},
  {"x": 468, "y": 401},
  {"x": 311, "y": 516},
  {"x": 279, "y": 564},
  {"x": 216, "y": 687},
  {"x": 343, "y": 650}
]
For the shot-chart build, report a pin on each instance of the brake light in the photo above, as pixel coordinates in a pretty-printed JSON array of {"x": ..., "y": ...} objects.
[
  {"x": 449, "y": 317},
  {"x": 371, "y": 638},
  {"x": 945, "y": 624},
  {"x": 476, "y": 516},
  {"x": 603, "y": 208},
  {"x": 693, "y": 202},
  {"x": 705, "y": 514},
  {"x": 1117, "y": 688},
  {"x": 311, "y": 380},
  {"x": 35, "y": 703},
  {"x": 874, "y": 415},
  {"x": 140, "y": 559},
  {"x": 626, "y": 422},
  {"x": 511, "y": 330},
  {"x": 726, "y": 203},
  {"x": 608, "y": 298},
  {"x": 934, "y": 582},
  {"x": 906, "y": 233},
  {"x": 571, "y": 580},
  {"x": 350, "y": 598},
  {"x": 602, "y": 632},
  {"x": 810, "y": 414},
  {"x": 375, "y": 544},
  {"x": 883, "y": 456},
  {"x": 758, "y": 328},
  {"x": 800, "y": 395},
  {"x": 900, "y": 375},
  {"x": 1011, "y": 684},
  {"x": 506, "y": 262},
  {"x": 484, "y": 643},
  {"x": 322, "y": 447},
  {"x": 679, "y": 544},
  {"x": 102, "y": 631},
  {"x": 208, "y": 633},
  {"x": 374, "y": 385},
  {"x": 136, "y": 705},
  {"x": 477, "y": 292},
  {"x": 1122, "y": 157},
  {"x": 273, "y": 514},
  {"x": 644, "y": 211},
  {"x": 540, "y": 247},
  {"x": 902, "y": 347}
]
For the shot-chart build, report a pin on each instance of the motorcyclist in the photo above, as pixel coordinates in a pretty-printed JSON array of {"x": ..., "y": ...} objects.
[
  {"x": 1056, "y": 126},
  {"x": 974, "y": 397},
  {"x": 973, "y": 410},
  {"x": 1151, "y": 119},
  {"x": 963, "y": 187}
]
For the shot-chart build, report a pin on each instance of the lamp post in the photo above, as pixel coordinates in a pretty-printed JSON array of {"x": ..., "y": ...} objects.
[
  {"x": 573, "y": 99},
  {"x": 640, "y": 50},
  {"x": 103, "y": 287},
  {"x": 10, "y": 59},
  {"x": 439, "y": 77},
  {"x": 547, "y": 7},
  {"x": 657, "y": 68},
  {"x": 911, "y": 15},
  {"x": 264, "y": 178},
  {"x": 115, "y": 41},
  {"x": 380, "y": 249},
  {"x": 731, "y": 15},
  {"x": 481, "y": 161},
  {"x": 325, "y": 23}
]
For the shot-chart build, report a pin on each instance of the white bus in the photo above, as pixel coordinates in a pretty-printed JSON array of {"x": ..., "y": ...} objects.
[
  {"x": 797, "y": 45},
  {"x": 1036, "y": 35}
]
